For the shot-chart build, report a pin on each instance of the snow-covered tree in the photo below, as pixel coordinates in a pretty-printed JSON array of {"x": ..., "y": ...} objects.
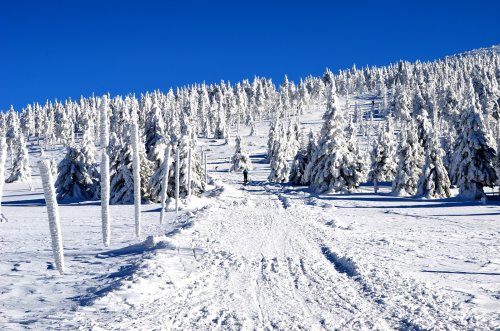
[
  {"x": 332, "y": 165},
  {"x": 21, "y": 171},
  {"x": 279, "y": 166},
  {"x": 359, "y": 164},
  {"x": 301, "y": 160},
  {"x": 77, "y": 178},
  {"x": 272, "y": 137},
  {"x": 472, "y": 166},
  {"x": 240, "y": 159},
  {"x": 293, "y": 138},
  {"x": 410, "y": 162},
  {"x": 383, "y": 157},
  {"x": 154, "y": 127},
  {"x": 122, "y": 178},
  {"x": 434, "y": 181}
]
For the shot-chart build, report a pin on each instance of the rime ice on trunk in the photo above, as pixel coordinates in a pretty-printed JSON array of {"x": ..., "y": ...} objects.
[
  {"x": 3, "y": 158},
  {"x": 177, "y": 161},
  {"x": 137, "y": 177},
  {"x": 106, "y": 227},
  {"x": 205, "y": 166},
  {"x": 189, "y": 172},
  {"x": 106, "y": 236},
  {"x": 53, "y": 213},
  {"x": 164, "y": 185}
]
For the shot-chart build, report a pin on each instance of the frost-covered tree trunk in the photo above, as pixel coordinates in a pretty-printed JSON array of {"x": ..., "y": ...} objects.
[
  {"x": 177, "y": 182},
  {"x": 136, "y": 168},
  {"x": 3, "y": 158},
  {"x": 106, "y": 227},
  {"x": 53, "y": 213},
  {"x": 189, "y": 172},
  {"x": 166, "y": 165},
  {"x": 205, "y": 167}
]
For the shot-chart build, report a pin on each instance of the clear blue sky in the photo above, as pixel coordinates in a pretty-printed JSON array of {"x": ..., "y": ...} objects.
[{"x": 60, "y": 49}]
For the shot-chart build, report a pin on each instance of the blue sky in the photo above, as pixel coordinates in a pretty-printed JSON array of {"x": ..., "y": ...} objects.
[{"x": 60, "y": 49}]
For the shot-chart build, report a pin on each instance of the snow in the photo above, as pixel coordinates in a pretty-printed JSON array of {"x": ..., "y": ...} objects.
[{"x": 259, "y": 256}]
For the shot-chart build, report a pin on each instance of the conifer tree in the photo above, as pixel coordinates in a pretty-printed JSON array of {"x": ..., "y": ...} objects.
[
  {"x": 279, "y": 166},
  {"x": 472, "y": 167},
  {"x": 410, "y": 162},
  {"x": 21, "y": 171},
  {"x": 241, "y": 159},
  {"x": 122, "y": 178},
  {"x": 301, "y": 160},
  {"x": 77, "y": 177},
  {"x": 434, "y": 181},
  {"x": 333, "y": 166},
  {"x": 383, "y": 168}
]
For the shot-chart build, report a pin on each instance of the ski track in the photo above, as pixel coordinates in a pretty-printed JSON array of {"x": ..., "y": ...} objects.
[{"x": 265, "y": 264}]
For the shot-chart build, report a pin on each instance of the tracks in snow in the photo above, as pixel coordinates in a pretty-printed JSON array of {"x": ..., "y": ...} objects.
[{"x": 270, "y": 265}]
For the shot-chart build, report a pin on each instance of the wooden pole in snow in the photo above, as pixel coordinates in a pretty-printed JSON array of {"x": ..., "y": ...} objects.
[
  {"x": 53, "y": 213},
  {"x": 177, "y": 158},
  {"x": 164, "y": 184},
  {"x": 189, "y": 173}
]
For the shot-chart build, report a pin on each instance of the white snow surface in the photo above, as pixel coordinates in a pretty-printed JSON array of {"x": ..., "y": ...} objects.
[{"x": 261, "y": 256}]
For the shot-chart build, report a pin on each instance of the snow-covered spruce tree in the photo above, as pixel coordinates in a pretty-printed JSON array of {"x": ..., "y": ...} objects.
[
  {"x": 53, "y": 214},
  {"x": 21, "y": 171},
  {"x": 3, "y": 159},
  {"x": 472, "y": 166},
  {"x": 272, "y": 137},
  {"x": 197, "y": 183},
  {"x": 122, "y": 178},
  {"x": 359, "y": 164},
  {"x": 410, "y": 162},
  {"x": 162, "y": 169},
  {"x": 105, "y": 187},
  {"x": 434, "y": 181},
  {"x": 280, "y": 169},
  {"x": 301, "y": 159},
  {"x": 77, "y": 178},
  {"x": 154, "y": 127},
  {"x": 197, "y": 174},
  {"x": 383, "y": 157},
  {"x": 240, "y": 159},
  {"x": 332, "y": 165},
  {"x": 293, "y": 138}
]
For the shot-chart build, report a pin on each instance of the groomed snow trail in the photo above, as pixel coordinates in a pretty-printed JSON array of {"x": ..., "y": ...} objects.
[{"x": 257, "y": 260}]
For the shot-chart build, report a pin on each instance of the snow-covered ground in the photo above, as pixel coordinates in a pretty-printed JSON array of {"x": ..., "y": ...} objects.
[{"x": 260, "y": 256}]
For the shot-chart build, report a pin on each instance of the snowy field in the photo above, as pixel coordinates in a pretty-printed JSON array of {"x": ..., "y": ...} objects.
[{"x": 260, "y": 256}]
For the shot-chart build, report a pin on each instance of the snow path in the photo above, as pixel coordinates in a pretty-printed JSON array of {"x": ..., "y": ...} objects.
[{"x": 255, "y": 260}]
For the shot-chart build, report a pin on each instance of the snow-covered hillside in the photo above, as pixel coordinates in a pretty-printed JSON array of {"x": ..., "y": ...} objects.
[{"x": 259, "y": 256}]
